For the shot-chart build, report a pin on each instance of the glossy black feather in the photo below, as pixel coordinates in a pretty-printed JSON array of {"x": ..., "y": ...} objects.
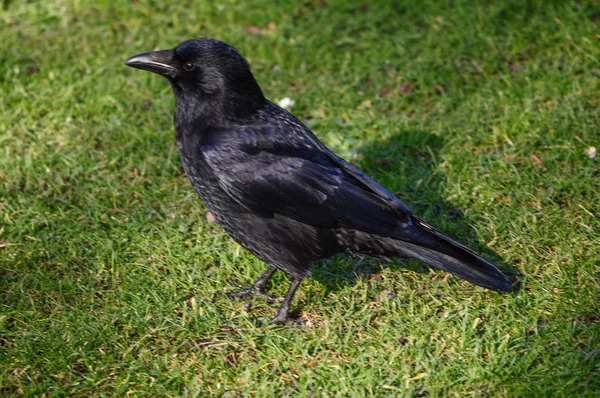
[{"x": 276, "y": 189}]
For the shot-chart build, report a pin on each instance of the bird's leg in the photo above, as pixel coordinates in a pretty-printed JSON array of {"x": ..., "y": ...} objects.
[
  {"x": 257, "y": 288},
  {"x": 283, "y": 311}
]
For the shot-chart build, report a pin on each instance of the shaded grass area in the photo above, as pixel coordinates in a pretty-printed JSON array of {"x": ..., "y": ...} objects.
[{"x": 477, "y": 115}]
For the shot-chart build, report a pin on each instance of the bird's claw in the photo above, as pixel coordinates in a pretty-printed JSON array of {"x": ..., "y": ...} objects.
[
  {"x": 252, "y": 291},
  {"x": 248, "y": 291},
  {"x": 280, "y": 320}
]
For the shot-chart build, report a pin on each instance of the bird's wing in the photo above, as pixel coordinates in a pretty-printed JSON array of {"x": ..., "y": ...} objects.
[
  {"x": 368, "y": 183},
  {"x": 296, "y": 176},
  {"x": 299, "y": 178}
]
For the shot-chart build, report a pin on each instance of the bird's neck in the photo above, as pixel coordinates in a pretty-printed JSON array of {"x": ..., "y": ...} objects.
[
  {"x": 195, "y": 119},
  {"x": 191, "y": 115},
  {"x": 194, "y": 113}
]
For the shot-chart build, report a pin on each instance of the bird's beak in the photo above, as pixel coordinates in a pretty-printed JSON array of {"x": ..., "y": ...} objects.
[{"x": 160, "y": 62}]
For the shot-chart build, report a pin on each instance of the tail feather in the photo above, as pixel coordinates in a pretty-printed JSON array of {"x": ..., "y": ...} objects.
[{"x": 431, "y": 246}]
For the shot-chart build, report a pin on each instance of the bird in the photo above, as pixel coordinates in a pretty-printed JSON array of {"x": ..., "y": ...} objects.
[{"x": 276, "y": 189}]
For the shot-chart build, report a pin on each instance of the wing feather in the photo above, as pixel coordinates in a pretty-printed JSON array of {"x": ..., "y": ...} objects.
[{"x": 297, "y": 179}]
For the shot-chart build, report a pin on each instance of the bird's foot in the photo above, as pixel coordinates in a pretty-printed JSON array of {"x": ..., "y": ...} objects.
[
  {"x": 283, "y": 312},
  {"x": 253, "y": 291},
  {"x": 280, "y": 320},
  {"x": 281, "y": 317}
]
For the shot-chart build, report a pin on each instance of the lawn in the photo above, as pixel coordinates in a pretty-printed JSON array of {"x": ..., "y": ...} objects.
[{"x": 481, "y": 117}]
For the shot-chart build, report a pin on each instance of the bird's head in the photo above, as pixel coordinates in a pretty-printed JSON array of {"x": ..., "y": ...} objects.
[{"x": 209, "y": 78}]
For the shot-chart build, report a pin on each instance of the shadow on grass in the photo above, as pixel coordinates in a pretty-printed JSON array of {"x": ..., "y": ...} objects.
[{"x": 404, "y": 164}]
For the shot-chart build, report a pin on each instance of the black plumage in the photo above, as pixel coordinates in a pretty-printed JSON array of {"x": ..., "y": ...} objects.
[{"x": 276, "y": 189}]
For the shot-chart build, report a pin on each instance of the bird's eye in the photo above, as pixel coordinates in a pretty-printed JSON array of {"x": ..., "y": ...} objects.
[{"x": 188, "y": 66}]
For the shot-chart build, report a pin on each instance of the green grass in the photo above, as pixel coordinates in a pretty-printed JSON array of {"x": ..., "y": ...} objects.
[{"x": 478, "y": 116}]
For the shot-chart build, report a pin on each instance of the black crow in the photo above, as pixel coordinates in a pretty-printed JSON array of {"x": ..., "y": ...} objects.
[{"x": 276, "y": 189}]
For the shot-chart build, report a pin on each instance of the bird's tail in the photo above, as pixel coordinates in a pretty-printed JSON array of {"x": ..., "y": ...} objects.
[{"x": 431, "y": 246}]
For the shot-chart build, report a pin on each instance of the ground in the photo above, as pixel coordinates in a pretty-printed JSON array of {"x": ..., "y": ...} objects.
[{"x": 482, "y": 117}]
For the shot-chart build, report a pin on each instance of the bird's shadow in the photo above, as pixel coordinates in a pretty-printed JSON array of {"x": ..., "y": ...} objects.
[{"x": 405, "y": 164}]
